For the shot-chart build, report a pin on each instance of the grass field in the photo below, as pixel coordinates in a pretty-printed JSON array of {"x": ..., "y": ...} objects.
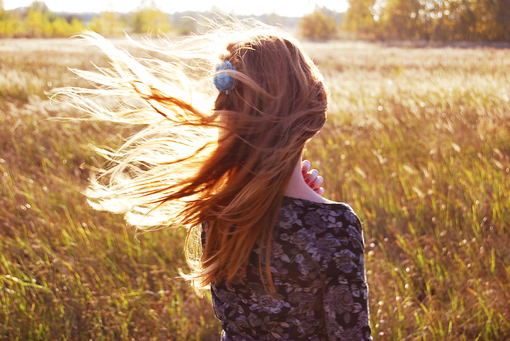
[{"x": 417, "y": 142}]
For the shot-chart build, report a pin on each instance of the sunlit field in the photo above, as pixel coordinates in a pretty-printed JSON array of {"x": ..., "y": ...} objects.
[{"x": 417, "y": 142}]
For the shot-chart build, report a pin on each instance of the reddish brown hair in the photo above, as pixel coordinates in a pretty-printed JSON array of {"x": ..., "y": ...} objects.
[{"x": 238, "y": 155}]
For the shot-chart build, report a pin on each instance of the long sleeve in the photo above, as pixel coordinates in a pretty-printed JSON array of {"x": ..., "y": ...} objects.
[
  {"x": 345, "y": 289},
  {"x": 318, "y": 271}
]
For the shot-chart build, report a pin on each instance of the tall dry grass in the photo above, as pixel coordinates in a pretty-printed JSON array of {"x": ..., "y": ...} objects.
[
  {"x": 417, "y": 142},
  {"x": 68, "y": 272}
]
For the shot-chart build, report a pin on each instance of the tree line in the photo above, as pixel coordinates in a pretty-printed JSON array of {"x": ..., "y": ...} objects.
[
  {"x": 37, "y": 21},
  {"x": 430, "y": 20}
]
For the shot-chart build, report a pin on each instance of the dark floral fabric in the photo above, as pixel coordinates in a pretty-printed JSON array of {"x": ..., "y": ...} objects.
[{"x": 318, "y": 270}]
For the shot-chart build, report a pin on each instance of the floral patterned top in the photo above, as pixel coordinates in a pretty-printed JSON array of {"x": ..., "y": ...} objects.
[{"x": 318, "y": 271}]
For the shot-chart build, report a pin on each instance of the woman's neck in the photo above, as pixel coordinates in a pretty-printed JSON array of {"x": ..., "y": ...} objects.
[{"x": 298, "y": 188}]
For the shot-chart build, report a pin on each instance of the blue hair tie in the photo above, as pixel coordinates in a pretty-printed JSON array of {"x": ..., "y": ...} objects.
[{"x": 224, "y": 82}]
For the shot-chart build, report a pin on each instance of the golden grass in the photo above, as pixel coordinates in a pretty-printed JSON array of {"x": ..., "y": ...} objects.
[{"x": 417, "y": 142}]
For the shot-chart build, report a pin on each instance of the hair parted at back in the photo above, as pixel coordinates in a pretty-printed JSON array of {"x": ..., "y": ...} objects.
[{"x": 203, "y": 156}]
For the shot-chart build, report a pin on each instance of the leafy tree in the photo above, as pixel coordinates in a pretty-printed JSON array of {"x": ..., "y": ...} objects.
[
  {"x": 318, "y": 26},
  {"x": 359, "y": 17},
  {"x": 149, "y": 18},
  {"x": 492, "y": 19},
  {"x": 77, "y": 26},
  {"x": 503, "y": 19},
  {"x": 9, "y": 25},
  {"x": 338, "y": 16},
  {"x": 39, "y": 6},
  {"x": 37, "y": 24},
  {"x": 62, "y": 28},
  {"x": 3, "y": 13},
  {"x": 401, "y": 19},
  {"x": 438, "y": 20},
  {"x": 107, "y": 23}
]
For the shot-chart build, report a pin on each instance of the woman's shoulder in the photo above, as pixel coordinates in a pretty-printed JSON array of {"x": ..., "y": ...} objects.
[
  {"x": 322, "y": 230},
  {"x": 315, "y": 205},
  {"x": 325, "y": 213}
]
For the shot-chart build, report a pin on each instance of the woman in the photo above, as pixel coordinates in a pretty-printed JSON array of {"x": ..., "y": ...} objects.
[{"x": 283, "y": 263}]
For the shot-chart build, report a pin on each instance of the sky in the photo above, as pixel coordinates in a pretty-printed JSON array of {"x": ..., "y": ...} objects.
[{"x": 290, "y": 8}]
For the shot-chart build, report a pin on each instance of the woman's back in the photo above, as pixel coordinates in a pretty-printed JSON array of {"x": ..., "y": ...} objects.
[{"x": 317, "y": 268}]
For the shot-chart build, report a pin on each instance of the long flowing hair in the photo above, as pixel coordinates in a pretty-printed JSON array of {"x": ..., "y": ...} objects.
[{"x": 203, "y": 156}]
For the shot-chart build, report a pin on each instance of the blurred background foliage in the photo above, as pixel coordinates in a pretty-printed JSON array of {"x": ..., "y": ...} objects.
[
  {"x": 37, "y": 21},
  {"x": 410, "y": 20},
  {"x": 430, "y": 20},
  {"x": 318, "y": 26}
]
